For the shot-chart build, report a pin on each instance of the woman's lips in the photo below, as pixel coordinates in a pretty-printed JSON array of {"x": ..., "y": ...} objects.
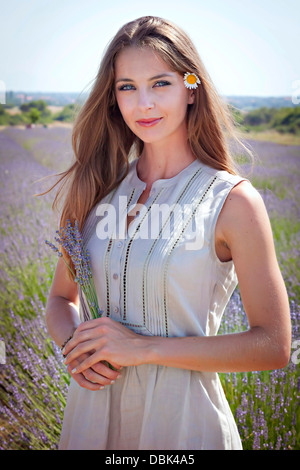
[{"x": 148, "y": 122}]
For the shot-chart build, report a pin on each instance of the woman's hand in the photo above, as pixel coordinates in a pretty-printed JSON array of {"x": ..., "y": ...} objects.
[
  {"x": 94, "y": 378},
  {"x": 100, "y": 340}
]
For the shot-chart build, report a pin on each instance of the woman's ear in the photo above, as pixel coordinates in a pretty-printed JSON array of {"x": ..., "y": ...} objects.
[{"x": 191, "y": 98}]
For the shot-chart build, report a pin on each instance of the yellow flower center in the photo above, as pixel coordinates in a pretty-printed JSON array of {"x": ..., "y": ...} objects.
[{"x": 191, "y": 79}]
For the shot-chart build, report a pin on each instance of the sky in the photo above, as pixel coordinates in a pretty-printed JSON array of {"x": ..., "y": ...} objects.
[{"x": 249, "y": 47}]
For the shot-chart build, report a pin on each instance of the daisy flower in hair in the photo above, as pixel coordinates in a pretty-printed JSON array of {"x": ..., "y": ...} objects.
[{"x": 191, "y": 80}]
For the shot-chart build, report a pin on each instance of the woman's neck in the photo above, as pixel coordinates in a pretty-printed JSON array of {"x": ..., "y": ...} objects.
[{"x": 159, "y": 161}]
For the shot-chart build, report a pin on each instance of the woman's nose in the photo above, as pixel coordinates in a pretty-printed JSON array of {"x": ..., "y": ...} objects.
[{"x": 145, "y": 100}]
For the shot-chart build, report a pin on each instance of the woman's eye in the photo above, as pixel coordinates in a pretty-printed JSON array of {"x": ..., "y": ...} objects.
[
  {"x": 126, "y": 87},
  {"x": 162, "y": 83}
]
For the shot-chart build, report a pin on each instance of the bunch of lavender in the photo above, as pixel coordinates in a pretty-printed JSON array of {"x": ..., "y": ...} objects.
[{"x": 71, "y": 240}]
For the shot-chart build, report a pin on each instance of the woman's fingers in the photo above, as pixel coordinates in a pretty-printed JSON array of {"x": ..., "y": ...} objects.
[
  {"x": 80, "y": 349},
  {"x": 104, "y": 368},
  {"x": 103, "y": 375},
  {"x": 84, "y": 383},
  {"x": 91, "y": 362},
  {"x": 93, "y": 378}
]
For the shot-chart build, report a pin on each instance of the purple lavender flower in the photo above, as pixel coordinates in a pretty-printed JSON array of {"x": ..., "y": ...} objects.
[{"x": 71, "y": 240}]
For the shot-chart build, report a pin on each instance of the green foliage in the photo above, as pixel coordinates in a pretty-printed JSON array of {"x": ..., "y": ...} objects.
[
  {"x": 287, "y": 119},
  {"x": 66, "y": 115},
  {"x": 34, "y": 115},
  {"x": 259, "y": 116},
  {"x": 281, "y": 120},
  {"x": 41, "y": 105},
  {"x": 3, "y": 116},
  {"x": 16, "y": 119},
  {"x": 7, "y": 119},
  {"x": 36, "y": 112}
]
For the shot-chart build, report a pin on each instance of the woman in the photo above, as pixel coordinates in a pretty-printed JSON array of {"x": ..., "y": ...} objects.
[{"x": 186, "y": 227}]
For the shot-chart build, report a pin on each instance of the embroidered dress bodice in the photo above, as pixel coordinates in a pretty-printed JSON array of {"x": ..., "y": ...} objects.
[{"x": 160, "y": 277}]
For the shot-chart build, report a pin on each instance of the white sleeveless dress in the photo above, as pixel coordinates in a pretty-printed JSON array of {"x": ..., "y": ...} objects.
[{"x": 161, "y": 278}]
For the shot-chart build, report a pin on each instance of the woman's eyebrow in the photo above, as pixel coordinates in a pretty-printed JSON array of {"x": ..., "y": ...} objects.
[{"x": 150, "y": 79}]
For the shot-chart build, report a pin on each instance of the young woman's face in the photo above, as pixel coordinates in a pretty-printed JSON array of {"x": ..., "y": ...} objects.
[{"x": 152, "y": 98}]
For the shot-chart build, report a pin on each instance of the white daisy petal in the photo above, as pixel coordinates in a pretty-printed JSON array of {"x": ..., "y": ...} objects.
[{"x": 191, "y": 80}]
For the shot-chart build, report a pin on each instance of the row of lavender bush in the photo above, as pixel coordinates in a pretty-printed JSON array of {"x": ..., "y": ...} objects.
[{"x": 33, "y": 379}]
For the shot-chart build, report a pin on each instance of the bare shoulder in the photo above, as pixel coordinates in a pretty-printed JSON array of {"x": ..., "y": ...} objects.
[
  {"x": 243, "y": 219},
  {"x": 243, "y": 205},
  {"x": 243, "y": 197}
]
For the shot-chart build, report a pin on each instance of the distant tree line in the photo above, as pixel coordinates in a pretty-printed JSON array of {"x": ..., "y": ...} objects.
[
  {"x": 280, "y": 119},
  {"x": 35, "y": 112}
]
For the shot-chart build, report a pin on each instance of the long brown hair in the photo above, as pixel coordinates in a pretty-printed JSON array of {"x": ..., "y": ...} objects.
[{"x": 102, "y": 141}]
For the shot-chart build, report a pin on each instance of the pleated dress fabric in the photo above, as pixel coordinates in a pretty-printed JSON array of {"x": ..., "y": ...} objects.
[{"x": 162, "y": 277}]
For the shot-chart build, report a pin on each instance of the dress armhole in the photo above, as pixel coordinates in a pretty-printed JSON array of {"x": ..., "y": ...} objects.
[{"x": 225, "y": 193}]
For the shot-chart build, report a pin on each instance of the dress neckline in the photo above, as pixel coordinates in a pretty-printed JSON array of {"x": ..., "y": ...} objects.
[{"x": 164, "y": 181}]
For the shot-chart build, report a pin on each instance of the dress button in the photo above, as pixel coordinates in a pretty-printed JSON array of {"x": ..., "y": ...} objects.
[
  {"x": 120, "y": 244},
  {"x": 115, "y": 276},
  {"x": 116, "y": 309}
]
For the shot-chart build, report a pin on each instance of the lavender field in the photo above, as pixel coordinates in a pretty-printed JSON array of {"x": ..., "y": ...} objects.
[{"x": 33, "y": 379}]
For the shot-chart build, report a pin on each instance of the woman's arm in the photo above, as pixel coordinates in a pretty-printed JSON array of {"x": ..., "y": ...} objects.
[
  {"x": 243, "y": 229},
  {"x": 62, "y": 314},
  {"x": 62, "y": 318}
]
